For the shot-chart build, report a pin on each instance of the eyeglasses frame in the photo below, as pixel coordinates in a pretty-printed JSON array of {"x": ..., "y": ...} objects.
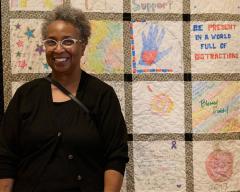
[{"x": 60, "y": 42}]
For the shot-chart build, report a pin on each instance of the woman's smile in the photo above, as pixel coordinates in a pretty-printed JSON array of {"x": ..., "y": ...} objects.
[{"x": 61, "y": 59}]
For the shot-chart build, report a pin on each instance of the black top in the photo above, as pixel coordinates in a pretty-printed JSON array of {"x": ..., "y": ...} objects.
[{"x": 48, "y": 146}]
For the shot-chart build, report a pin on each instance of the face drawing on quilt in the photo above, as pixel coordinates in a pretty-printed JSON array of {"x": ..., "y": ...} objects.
[
  {"x": 64, "y": 48},
  {"x": 151, "y": 43},
  {"x": 219, "y": 165}
]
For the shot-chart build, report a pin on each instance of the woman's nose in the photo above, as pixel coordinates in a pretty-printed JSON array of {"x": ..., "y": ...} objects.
[{"x": 59, "y": 48}]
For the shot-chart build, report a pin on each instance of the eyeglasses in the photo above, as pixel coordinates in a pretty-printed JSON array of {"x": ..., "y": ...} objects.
[{"x": 65, "y": 43}]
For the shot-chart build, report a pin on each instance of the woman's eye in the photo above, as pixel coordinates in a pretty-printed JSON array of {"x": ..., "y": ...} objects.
[
  {"x": 51, "y": 43},
  {"x": 68, "y": 42}
]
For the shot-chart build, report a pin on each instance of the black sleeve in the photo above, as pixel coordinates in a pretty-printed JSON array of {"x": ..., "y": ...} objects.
[
  {"x": 8, "y": 138},
  {"x": 113, "y": 132}
]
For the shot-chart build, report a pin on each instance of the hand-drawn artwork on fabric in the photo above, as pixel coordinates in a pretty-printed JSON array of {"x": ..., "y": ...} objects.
[
  {"x": 104, "y": 52},
  {"x": 156, "y": 6},
  {"x": 215, "y": 47},
  {"x": 119, "y": 89},
  {"x": 99, "y": 5},
  {"x": 33, "y": 5},
  {"x": 158, "y": 107},
  {"x": 216, "y": 106},
  {"x": 158, "y": 167},
  {"x": 16, "y": 85},
  {"x": 217, "y": 166},
  {"x": 160, "y": 103},
  {"x": 27, "y": 51},
  {"x": 150, "y": 53},
  {"x": 156, "y": 47},
  {"x": 215, "y": 6}
]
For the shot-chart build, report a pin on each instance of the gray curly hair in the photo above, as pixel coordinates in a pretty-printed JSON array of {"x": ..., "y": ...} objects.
[{"x": 71, "y": 15}]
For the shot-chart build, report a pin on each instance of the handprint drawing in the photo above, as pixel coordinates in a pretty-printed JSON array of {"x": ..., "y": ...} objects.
[{"x": 150, "y": 53}]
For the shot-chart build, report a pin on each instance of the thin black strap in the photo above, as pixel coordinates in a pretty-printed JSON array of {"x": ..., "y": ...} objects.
[{"x": 68, "y": 93}]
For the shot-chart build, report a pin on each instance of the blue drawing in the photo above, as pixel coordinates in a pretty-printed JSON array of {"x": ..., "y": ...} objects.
[
  {"x": 150, "y": 53},
  {"x": 29, "y": 33}
]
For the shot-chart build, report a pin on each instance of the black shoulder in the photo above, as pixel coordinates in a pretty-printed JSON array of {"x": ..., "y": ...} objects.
[
  {"x": 97, "y": 85},
  {"x": 32, "y": 87}
]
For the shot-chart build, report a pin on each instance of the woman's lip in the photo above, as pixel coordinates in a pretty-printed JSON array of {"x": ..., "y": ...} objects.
[{"x": 60, "y": 59}]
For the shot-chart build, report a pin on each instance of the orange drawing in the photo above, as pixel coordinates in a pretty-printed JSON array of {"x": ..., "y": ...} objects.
[
  {"x": 219, "y": 165},
  {"x": 161, "y": 103}
]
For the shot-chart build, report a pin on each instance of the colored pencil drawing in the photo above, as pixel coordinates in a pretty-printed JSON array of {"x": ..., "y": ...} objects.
[
  {"x": 156, "y": 6},
  {"x": 99, "y": 5},
  {"x": 151, "y": 44},
  {"x": 217, "y": 166},
  {"x": 155, "y": 160},
  {"x": 216, "y": 107},
  {"x": 157, "y": 106},
  {"x": 156, "y": 47},
  {"x": 161, "y": 103},
  {"x": 34, "y": 5},
  {"x": 215, "y": 47},
  {"x": 104, "y": 53},
  {"x": 27, "y": 50}
]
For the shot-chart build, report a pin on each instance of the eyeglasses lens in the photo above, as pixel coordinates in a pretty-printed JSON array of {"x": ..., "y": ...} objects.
[
  {"x": 68, "y": 42},
  {"x": 50, "y": 43}
]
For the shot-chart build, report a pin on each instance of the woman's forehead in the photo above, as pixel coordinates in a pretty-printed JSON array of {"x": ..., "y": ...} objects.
[{"x": 62, "y": 27}]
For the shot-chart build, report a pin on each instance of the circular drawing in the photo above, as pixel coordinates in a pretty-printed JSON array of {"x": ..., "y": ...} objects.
[
  {"x": 162, "y": 104},
  {"x": 219, "y": 165}
]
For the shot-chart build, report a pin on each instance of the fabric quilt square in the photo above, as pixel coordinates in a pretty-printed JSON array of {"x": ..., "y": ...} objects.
[
  {"x": 156, "y": 47},
  {"x": 216, "y": 166},
  {"x": 216, "y": 106},
  {"x": 159, "y": 166},
  {"x": 215, "y": 47},
  {"x": 158, "y": 107}
]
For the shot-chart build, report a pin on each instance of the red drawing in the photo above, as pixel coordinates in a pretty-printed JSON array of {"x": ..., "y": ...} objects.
[
  {"x": 149, "y": 56},
  {"x": 21, "y": 64},
  {"x": 149, "y": 88},
  {"x": 20, "y": 43},
  {"x": 219, "y": 165}
]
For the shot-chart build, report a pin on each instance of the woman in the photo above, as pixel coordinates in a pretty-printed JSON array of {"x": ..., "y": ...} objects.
[{"x": 47, "y": 141}]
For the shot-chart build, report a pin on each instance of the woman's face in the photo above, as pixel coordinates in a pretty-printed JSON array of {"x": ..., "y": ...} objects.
[{"x": 60, "y": 59}]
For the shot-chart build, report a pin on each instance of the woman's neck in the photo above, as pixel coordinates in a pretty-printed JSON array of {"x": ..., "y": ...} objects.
[{"x": 69, "y": 81}]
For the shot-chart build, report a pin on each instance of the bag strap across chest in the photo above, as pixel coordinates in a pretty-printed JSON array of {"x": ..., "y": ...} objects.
[{"x": 68, "y": 93}]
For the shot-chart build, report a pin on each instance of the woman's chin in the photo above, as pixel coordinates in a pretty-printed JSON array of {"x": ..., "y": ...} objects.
[{"x": 61, "y": 66}]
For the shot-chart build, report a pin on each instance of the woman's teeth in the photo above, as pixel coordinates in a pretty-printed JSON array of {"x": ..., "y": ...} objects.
[{"x": 60, "y": 59}]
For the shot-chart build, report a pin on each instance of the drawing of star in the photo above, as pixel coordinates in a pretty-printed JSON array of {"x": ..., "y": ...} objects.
[
  {"x": 20, "y": 43},
  {"x": 29, "y": 33},
  {"x": 22, "y": 64},
  {"x": 18, "y": 26},
  {"x": 18, "y": 54},
  {"x": 45, "y": 65},
  {"x": 39, "y": 49}
]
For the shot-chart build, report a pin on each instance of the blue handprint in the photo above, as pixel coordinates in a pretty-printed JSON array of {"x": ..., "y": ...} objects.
[{"x": 150, "y": 53}]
